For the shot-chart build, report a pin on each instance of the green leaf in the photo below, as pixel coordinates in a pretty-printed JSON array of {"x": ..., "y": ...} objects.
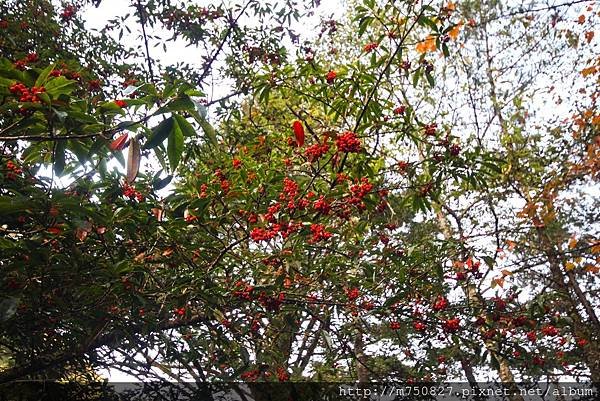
[
  {"x": 161, "y": 183},
  {"x": 41, "y": 79},
  {"x": 160, "y": 133},
  {"x": 175, "y": 146},
  {"x": 209, "y": 131},
  {"x": 10, "y": 204},
  {"x": 185, "y": 126},
  {"x": 59, "y": 157},
  {"x": 60, "y": 86},
  {"x": 430, "y": 79}
]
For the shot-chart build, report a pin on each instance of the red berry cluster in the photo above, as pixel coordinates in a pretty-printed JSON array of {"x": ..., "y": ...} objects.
[
  {"x": 25, "y": 94},
  {"x": 331, "y": 76},
  {"x": 395, "y": 325},
  {"x": 3, "y": 24},
  {"x": 369, "y": 47},
  {"x": 121, "y": 103},
  {"x": 318, "y": 233},
  {"x": 131, "y": 193},
  {"x": 223, "y": 182},
  {"x": 451, "y": 325},
  {"x": 322, "y": 206},
  {"x": 282, "y": 374},
  {"x": 399, "y": 110},
  {"x": 352, "y": 293},
  {"x": 549, "y": 330},
  {"x": 94, "y": 85},
  {"x": 271, "y": 303},
  {"x": 419, "y": 326},
  {"x": 236, "y": 163},
  {"x": 203, "y": 189},
  {"x": 440, "y": 304},
  {"x": 454, "y": 149},
  {"x": 260, "y": 234},
  {"x": 431, "y": 129},
  {"x": 22, "y": 63},
  {"x": 244, "y": 290},
  {"x": 348, "y": 142},
  {"x": 65, "y": 72},
  {"x": 358, "y": 191},
  {"x": 13, "y": 170},
  {"x": 316, "y": 151},
  {"x": 68, "y": 12}
]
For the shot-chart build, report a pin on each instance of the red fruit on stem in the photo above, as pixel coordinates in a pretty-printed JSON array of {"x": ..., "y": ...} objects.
[
  {"x": 299, "y": 133},
  {"x": 119, "y": 143}
]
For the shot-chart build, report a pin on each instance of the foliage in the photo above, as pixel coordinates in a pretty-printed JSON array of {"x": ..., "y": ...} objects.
[{"x": 380, "y": 204}]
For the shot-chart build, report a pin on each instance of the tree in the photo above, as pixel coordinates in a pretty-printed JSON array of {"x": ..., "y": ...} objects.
[{"x": 337, "y": 200}]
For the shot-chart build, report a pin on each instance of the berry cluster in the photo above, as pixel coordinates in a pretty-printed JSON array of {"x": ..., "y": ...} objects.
[
  {"x": 244, "y": 290},
  {"x": 13, "y": 170},
  {"x": 260, "y": 234},
  {"x": 549, "y": 330},
  {"x": 131, "y": 193},
  {"x": 369, "y": 47},
  {"x": 318, "y": 233},
  {"x": 68, "y": 12},
  {"x": 331, "y": 76},
  {"x": 322, "y": 206},
  {"x": 440, "y": 304},
  {"x": 66, "y": 73},
  {"x": 22, "y": 63},
  {"x": 316, "y": 151},
  {"x": 348, "y": 142},
  {"x": 271, "y": 303},
  {"x": 25, "y": 94},
  {"x": 399, "y": 110},
  {"x": 358, "y": 191},
  {"x": 451, "y": 325},
  {"x": 431, "y": 129}
]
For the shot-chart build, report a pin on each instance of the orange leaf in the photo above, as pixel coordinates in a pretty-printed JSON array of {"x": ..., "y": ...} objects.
[
  {"x": 453, "y": 33},
  {"x": 592, "y": 269},
  {"x": 119, "y": 143},
  {"x": 588, "y": 71},
  {"x": 572, "y": 243},
  {"x": 589, "y": 36},
  {"x": 581, "y": 19},
  {"x": 428, "y": 45},
  {"x": 299, "y": 133}
]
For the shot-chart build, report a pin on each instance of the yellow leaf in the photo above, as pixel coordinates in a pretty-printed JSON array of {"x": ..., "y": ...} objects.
[
  {"x": 428, "y": 45},
  {"x": 572, "y": 243},
  {"x": 569, "y": 266},
  {"x": 506, "y": 273}
]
